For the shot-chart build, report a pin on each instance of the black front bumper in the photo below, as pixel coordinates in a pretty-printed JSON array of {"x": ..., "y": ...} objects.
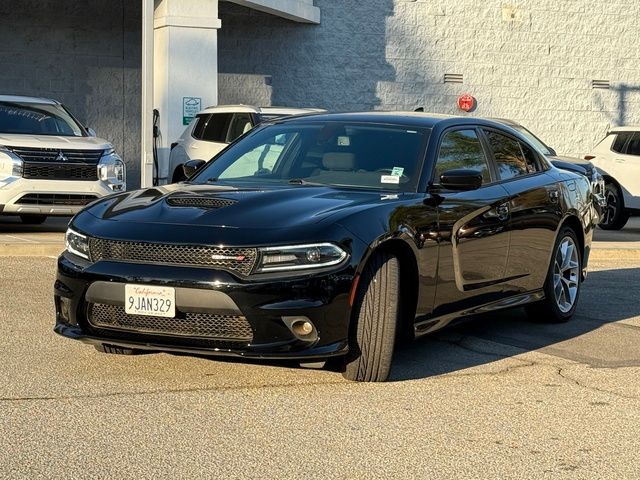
[{"x": 268, "y": 307}]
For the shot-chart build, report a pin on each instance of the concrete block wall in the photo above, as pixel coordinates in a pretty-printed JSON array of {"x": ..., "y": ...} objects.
[
  {"x": 529, "y": 61},
  {"x": 85, "y": 53}
]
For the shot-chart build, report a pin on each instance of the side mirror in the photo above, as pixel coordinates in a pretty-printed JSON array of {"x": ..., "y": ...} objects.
[
  {"x": 190, "y": 167},
  {"x": 91, "y": 132},
  {"x": 461, "y": 179},
  {"x": 552, "y": 151}
]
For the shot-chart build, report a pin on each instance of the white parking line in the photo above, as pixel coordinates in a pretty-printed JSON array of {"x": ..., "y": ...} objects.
[{"x": 21, "y": 239}]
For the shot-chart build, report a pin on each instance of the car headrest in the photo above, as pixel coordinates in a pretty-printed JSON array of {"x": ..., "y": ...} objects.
[{"x": 344, "y": 161}]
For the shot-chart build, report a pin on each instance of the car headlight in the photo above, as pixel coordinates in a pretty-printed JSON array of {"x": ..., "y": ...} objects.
[
  {"x": 10, "y": 163},
  {"x": 76, "y": 243},
  {"x": 299, "y": 257},
  {"x": 111, "y": 170}
]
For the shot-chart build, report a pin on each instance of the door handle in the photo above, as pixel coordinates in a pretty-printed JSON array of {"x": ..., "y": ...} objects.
[{"x": 503, "y": 211}]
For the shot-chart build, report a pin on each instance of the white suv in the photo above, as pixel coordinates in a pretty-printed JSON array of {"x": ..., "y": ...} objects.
[
  {"x": 49, "y": 163},
  {"x": 216, "y": 127},
  {"x": 617, "y": 157}
]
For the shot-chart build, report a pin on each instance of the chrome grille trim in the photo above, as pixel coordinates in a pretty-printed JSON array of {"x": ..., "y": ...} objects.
[
  {"x": 50, "y": 154},
  {"x": 56, "y": 199},
  {"x": 237, "y": 260},
  {"x": 201, "y": 325}
]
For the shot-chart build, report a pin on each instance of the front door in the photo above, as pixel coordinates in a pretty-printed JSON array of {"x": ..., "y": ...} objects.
[{"x": 473, "y": 232}]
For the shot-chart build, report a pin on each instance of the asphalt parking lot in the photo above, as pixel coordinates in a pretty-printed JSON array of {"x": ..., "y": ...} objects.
[{"x": 501, "y": 397}]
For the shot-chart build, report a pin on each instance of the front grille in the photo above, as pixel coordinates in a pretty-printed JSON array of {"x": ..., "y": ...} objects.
[
  {"x": 202, "y": 325},
  {"x": 59, "y": 171},
  {"x": 53, "y": 155},
  {"x": 237, "y": 260},
  {"x": 55, "y": 199},
  {"x": 202, "y": 202}
]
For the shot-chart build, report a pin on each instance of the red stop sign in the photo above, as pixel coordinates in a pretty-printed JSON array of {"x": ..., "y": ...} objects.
[{"x": 466, "y": 102}]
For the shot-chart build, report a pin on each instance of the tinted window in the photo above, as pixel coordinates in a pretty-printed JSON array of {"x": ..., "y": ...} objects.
[
  {"x": 509, "y": 157},
  {"x": 240, "y": 124},
  {"x": 461, "y": 149},
  {"x": 37, "y": 119},
  {"x": 379, "y": 157},
  {"x": 198, "y": 128},
  {"x": 633, "y": 148},
  {"x": 212, "y": 128},
  {"x": 620, "y": 141}
]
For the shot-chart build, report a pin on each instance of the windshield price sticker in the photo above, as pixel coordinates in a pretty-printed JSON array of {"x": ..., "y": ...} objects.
[
  {"x": 397, "y": 171},
  {"x": 150, "y": 300},
  {"x": 390, "y": 179}
]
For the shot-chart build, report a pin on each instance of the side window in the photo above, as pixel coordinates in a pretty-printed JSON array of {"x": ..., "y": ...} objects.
[
  {"x": 634, "y": 145},
  {"x": 240, "y": 124},
  {"x": 620, "y": 141},
  {"x": 461, "y": 149},
  {"x": 199, "y": 123},
  {"x": 510, "y": 159},
  {"x": 215, "y": 129},
  {"x": 532, "y": 159}
]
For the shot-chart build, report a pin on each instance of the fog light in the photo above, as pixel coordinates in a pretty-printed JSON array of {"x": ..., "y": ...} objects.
[
  {"x": 302, "y": 328},
  {"x": 65, "y": 309}
]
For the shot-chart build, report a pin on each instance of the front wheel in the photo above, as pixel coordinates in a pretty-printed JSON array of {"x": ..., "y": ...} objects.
[
  {"x": 375, "y": 318},
  {"x": 562, "y": 286},
  {"x": 615, "y": 216}
]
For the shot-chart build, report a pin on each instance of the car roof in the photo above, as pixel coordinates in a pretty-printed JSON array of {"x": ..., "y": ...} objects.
[
  {"x": 253, "y": 109},
  {"x": 415, "y": 119},
  {"x": 25, "y": 99},
  {"x": 628, "y": 128}
]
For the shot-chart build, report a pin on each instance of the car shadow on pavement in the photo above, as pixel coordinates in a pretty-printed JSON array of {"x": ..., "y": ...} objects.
[
  {"x": 13, "y": 224},
  {"x": 607, "y": 296}
]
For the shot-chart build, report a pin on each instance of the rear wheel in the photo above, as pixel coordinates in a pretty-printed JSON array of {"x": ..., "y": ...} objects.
[
  {"x": 104, "y": 348},
  {"x": 615, "y": 216},
  {"x": 562, "y": 286},
  {"x": 33, "y": 219},
  {"x": 375, "y": 319}
]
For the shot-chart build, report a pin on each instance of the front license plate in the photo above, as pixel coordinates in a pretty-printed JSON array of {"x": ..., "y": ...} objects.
[{"x": 150, "y": 300}]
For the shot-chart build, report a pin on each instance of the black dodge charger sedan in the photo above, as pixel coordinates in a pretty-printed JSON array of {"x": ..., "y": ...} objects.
[{"x": 328, "y": 237}]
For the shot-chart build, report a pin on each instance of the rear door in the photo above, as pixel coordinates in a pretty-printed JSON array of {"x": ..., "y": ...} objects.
[
  {"x": 211, "y": 136},
  {"x": 626, "y": 169},
  {"x": 533, "y": 205},
  {"x": 473, "y": 234}
]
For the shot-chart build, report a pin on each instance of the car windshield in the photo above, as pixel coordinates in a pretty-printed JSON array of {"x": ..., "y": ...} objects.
[
  {"x": 533, "y": 139},
  {"x": 37, "y": 119},
  {"x": 372, "y": 156}
]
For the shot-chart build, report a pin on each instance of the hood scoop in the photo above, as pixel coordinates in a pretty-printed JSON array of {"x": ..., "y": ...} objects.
[{"x": 200, "y": 201}]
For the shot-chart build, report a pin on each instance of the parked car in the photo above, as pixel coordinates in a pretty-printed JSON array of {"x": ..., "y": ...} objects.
[
  {"x": 49, "y": 163},
  {"x": 368, "y": 226},
  {"x": 617, "y": 156},
  {"x": 216, "y": 127},
  {"x": 573, "y": 164}
]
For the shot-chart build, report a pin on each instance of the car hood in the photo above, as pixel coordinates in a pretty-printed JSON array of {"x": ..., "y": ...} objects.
[
  {"x": 53, "y": 141},
  {"x": 230, "y": 212},
  {"x": 573, "y": 164}
]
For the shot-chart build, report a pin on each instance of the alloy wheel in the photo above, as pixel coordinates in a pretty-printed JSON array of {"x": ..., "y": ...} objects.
[
  {"x": 566, "y": 273},
  {"x": 611, "y": 209}
]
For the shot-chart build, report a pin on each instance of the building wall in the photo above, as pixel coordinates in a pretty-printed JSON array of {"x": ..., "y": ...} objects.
[
  {"x": 85, "y": 53},
  {"x": 532, "y": 61}
]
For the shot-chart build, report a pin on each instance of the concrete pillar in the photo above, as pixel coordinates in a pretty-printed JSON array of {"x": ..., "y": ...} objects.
[{"x": 185, "y": 65}]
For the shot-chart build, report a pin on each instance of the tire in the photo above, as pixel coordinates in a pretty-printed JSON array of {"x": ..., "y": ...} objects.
[
  {"x": 33, "y": 219},
  {"x": 563, "y": 282},
  {"x": 375, "y": 317},
  {"x": 615, "y": 216},
  {"x": 104, "y": 348}
]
